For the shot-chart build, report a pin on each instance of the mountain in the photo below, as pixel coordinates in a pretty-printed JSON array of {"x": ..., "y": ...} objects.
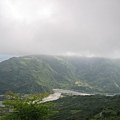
[
  {"x": 31, "y": 74},
  {"x": 4, "y": 57},
  {"x": 97, "y": 74}
]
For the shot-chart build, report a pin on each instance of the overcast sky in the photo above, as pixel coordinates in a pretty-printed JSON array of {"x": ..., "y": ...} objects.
[{"x": 60, "y": 27}]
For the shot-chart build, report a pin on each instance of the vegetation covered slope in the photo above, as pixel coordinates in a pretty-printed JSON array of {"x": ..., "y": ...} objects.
[
  {"x": 94, "y": 107},
  {"x": 31, "y": 74},
  {"x": 97, "y": 74}
]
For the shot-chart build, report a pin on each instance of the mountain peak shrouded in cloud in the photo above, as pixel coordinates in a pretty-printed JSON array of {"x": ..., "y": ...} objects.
[{"x": 60, "y": 27}]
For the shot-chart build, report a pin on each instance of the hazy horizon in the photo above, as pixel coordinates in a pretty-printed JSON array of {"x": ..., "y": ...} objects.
[{"x": 60, "y": 27}]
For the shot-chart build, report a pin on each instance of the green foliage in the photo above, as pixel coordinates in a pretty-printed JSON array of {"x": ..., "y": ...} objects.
[
  {"x": 27, "y": 107},
  {"x": 94, "y": 107},
  {"x": 31, "y": 74}
]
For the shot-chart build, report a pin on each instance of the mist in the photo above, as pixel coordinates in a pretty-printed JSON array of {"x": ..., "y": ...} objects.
[{"x": 60, "y": 27}]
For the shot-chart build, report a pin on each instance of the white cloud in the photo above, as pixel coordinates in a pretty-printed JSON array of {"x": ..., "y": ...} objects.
[{"x": 89, "y": 28}]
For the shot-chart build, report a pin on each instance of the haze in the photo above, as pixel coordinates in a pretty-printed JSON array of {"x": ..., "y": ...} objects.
[{"x": 60, "y": 27}]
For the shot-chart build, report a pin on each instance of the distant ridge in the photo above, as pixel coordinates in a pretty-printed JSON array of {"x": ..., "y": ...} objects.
[
  {"x": 4, "y": 57},
  {"x": 42, "y": 73}
]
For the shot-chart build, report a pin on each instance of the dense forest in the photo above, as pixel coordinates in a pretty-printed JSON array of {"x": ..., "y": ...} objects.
[
  {"x": 68, "y": 107},
  {"x": 94, "y": 107},
  {"x": 31, "y": 74}
]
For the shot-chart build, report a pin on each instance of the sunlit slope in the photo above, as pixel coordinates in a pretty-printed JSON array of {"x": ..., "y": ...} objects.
[{"x": 31, "y": 74}]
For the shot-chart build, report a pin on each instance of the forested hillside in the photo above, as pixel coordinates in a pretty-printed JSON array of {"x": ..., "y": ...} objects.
[
  {"x": 31, "y": 74},
  {"x": 94, "y": 107}
]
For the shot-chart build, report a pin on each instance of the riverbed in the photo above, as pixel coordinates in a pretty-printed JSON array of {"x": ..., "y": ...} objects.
[
  {"x": 57, "y": 94},
  {"x": 69, "y": 92}
]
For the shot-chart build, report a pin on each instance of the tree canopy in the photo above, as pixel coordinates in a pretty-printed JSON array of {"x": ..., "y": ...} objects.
[{"x": 27, "y": 107}]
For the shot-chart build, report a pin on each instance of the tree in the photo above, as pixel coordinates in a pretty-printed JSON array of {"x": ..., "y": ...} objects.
[{"x": 27, "y": 107}]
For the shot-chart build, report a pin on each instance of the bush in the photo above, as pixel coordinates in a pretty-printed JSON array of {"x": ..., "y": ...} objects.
[{"x": 26, "y": 108}]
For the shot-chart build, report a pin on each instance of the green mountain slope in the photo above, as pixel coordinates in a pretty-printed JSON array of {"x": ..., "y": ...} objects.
[
  {"x": 34, "y": 74},
  {"x": 94, "y": 107},
  {"x": 31, "y": 74},
  {"x": 97, "y": 74}
]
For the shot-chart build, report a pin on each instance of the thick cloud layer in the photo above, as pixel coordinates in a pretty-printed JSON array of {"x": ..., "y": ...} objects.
[{"x": 67, "y": 27}]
